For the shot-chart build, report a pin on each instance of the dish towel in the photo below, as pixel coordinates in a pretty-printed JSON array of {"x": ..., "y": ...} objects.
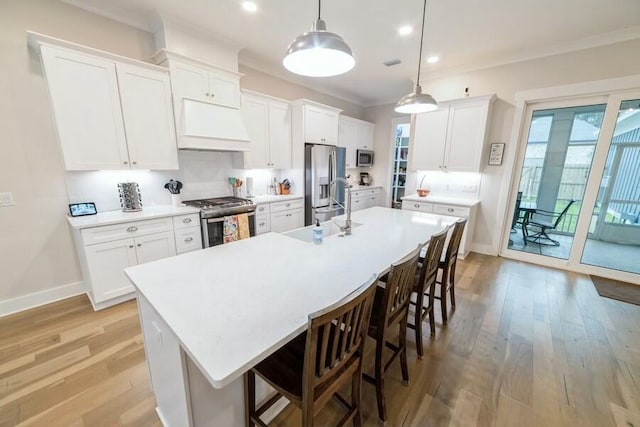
[
  {"x": 230, "y": 229},
  {"x": 243, "y": 226}
]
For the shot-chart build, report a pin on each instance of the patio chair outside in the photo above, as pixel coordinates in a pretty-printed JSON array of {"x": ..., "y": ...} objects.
[{"x": 544, "y": 221}]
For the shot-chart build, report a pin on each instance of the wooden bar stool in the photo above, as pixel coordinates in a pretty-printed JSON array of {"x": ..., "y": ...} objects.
[
  {"x": 448, "y": 268},
  {"x": 390, "y": 308},
  {"x": 425, "y": 286},
  {"x": 310, "y": 369}
]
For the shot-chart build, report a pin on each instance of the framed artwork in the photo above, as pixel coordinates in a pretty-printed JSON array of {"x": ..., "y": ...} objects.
[{"x": 495, "y": 155}]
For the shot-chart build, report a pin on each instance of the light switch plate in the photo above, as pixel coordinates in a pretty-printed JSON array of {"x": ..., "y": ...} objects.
[{"x": 6, "y": 199}]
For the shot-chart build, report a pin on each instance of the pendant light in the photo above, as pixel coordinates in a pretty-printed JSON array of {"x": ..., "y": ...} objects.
[
  {"x": 318, "y": 53},
  {"x": 416, "y": 101}
]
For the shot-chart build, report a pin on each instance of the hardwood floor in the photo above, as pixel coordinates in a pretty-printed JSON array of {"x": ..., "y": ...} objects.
[{"x": 526, "y": 346}]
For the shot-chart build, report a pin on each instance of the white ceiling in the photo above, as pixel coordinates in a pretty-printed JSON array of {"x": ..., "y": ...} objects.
[{"x": 465, "y": 34}]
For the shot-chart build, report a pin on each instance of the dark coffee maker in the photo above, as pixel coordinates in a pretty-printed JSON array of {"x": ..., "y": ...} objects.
[{"x": 365, "y": 179}]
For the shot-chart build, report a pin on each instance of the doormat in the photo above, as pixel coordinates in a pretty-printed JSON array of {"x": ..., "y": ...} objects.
[{"x": 614, "y": 289}]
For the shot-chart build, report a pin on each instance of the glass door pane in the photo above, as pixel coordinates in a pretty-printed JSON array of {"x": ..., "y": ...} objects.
[
  {"x": 400, "y": 157},
  {"x": 613, "y": 240},
  {"x": 560, "y": 148}
]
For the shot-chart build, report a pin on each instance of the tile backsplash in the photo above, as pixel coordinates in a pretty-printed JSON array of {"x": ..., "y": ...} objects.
[{"x": 203, "y": 174}]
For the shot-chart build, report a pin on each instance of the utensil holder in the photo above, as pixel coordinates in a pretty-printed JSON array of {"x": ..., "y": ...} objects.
[{"x": 176, "y": 200}]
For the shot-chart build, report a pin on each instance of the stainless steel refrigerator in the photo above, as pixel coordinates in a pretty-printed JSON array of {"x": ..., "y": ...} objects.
[{"x": 322, "y": 165}]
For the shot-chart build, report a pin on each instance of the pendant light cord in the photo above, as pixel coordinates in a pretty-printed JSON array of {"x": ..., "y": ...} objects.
[
  {"x": 319, "y": 2},
  {"x": 424, "y": 12}
]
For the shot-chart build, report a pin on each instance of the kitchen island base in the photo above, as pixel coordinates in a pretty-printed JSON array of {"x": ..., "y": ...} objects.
[{"x": 184, "y": 397}]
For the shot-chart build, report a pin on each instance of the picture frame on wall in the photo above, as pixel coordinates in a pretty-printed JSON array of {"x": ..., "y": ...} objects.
[{"x": 495, "y": 155}]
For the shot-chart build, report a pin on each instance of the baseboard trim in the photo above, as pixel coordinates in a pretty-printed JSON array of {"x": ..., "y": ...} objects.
[
  {"x": 36, "y": 299},
  {"x": 484, "y": 249}
]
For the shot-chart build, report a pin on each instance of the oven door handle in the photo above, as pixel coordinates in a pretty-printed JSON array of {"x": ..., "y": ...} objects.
[{"x": 220, "y": 219}]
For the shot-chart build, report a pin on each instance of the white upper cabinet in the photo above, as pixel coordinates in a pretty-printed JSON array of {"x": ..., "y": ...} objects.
[
  {"x": 280, "y": 134},
  {"x": 452, "y": 137},
  {"x": 86, "y": 107},
  {"x": 268, "y": 123},
  {"x": 148, "y": 117},
  {"x": 347, "y": 138},
  {"x": 321, "y": 125},
  {"x": 354, "y": 134},
  {"x": 109, "y": 113},
  {"x": 365, "y": 139},
  {"x": 204, "y": 84}
]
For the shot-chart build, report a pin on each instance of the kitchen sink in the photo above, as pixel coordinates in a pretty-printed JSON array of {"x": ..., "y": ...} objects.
[{"x": 306, "y": 234}]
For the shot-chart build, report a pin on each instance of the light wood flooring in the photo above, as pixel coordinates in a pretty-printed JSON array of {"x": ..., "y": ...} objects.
[{"x": 526, "y": 346}]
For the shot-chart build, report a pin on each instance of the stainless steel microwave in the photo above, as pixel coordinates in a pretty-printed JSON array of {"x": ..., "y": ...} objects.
[{"x": 364, "y": 158}]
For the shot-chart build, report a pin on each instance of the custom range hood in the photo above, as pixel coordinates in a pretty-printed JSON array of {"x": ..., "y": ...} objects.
[{"x": 205, "y": 86}]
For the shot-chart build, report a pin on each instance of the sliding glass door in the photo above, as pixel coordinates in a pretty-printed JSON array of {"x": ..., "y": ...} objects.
[
  {"x": 613, "y": 239},
  {"x": 576, "y": 200},
  {"x": 560, "y": 147}
]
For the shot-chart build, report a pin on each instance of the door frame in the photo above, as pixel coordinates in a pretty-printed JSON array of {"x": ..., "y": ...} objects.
[
  {"x": 395, "y": 121},
  {"x": 610, "y": 91}
]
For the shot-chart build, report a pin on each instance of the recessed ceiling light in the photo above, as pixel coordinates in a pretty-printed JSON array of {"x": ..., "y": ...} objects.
[
  {"x": 433, "y": 59},
  {"x": 249, "y": 6},
  {"x": 405, "y": 30}
]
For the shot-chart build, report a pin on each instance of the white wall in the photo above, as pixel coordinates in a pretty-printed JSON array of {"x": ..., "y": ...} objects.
[
  {"x": 505, "y": 81},
  {"x": 38, "y": 262}
]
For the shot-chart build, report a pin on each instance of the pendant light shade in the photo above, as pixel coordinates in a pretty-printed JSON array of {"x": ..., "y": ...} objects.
[
  {"x": 417, "y": 102},
  {"x": 318, "y": 53}
]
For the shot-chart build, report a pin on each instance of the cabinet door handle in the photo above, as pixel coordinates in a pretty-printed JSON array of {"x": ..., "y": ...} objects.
[
  {"x": 135, "y": 163},
  {"x": 206, "y": 94},
  {"x": 130, "y": 246},
  {"x": 288, "y": 215},
  {"x": 288, "y": 204},
  {"x": 186, "y": 220},
  {"x": 212, "y": 95},
  {"x": 260, "y": 209},
  {"x": 139, "y": 244},
  {"x": 126, "y": 163},
  {"x": 188, "y": 239},
  {"x": 132, "y": 229},
  {"x": 261, "y": 224}
]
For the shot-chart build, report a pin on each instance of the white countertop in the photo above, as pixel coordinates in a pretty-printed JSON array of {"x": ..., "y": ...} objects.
[
  {"x": 271, "y": 198},
  {"x": 115, "y": 217},
  {"x": 232, "y": 305},
  {"x": 439, "y": 199}
]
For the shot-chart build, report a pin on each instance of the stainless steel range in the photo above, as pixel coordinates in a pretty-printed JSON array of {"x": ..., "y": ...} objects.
[{"x": 213, "y": 211}]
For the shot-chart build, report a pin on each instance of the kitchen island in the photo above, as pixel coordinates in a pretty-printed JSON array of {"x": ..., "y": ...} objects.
[{"x": 211, "y": 315}]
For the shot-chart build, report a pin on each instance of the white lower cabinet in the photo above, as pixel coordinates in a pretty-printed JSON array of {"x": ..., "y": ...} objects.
[
  {"x": 105, "y": 251},
  {"x": 363, "y": 199},
  {"x": 106, "y": 262},
  {"x": 287, "y": 220},
  {"x": 468, "y": 212},
  {"x": 280, "y": 216}
]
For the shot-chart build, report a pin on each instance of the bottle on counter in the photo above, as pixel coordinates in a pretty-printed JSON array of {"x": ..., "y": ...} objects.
[{"x": 318, "y": 232}]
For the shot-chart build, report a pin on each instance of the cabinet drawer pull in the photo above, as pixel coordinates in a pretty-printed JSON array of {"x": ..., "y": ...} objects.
[
  {"x": 135, "y": 163},
  {"x": 288, "y": 215},
  {"x": 139, "y": 244},
  {"x": 260, "y": 209},
  {"x": 261, "y": 224},
  {"x": 206, "y": 94},
  {"x": 186, "y": 220},
  {"x": 132, "y": 229},
  {"x": 288, "y": 204},
  {"x": 130, "y": 246},
  {"x": 450, "y": 210},
  {"x": 126, "y": 163},
  {"x": 416, "y": 206},
  {"x": 188, "y": 239}
]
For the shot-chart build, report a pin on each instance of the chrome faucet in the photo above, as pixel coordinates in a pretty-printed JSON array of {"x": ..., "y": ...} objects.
[{"x": 346, "y": 228}]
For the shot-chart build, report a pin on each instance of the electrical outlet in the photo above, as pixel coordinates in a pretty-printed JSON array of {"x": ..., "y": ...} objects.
[{"x": 6, "y": 199}]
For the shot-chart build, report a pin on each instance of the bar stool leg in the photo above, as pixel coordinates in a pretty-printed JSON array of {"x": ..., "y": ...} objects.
[
  {"x": 403, "y": 350},
  {"x": 382, "y": 411},
  {"x": 249, "y": 398}
]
